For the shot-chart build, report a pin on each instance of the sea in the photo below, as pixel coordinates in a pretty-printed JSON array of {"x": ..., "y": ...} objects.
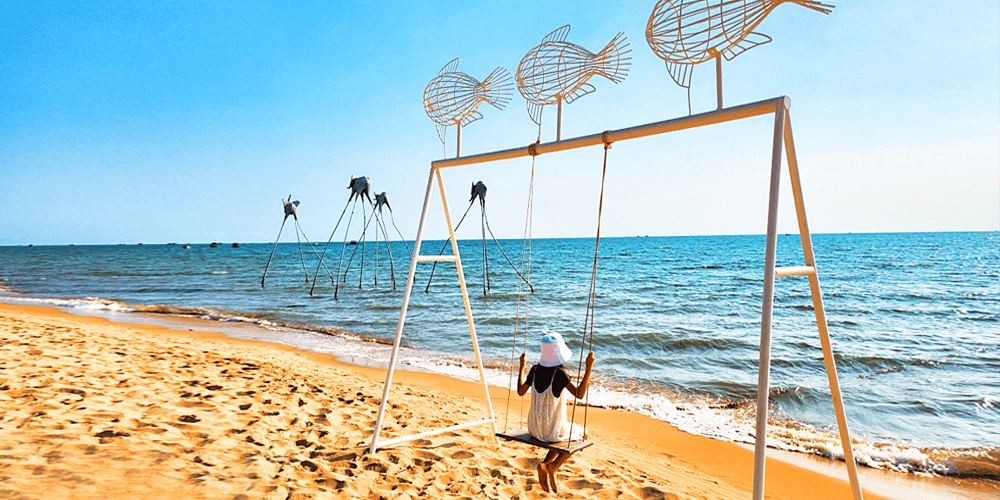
[{"x": 914, "y": 320}]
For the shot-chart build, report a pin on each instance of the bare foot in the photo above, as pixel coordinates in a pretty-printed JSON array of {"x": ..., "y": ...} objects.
[
  {"x": 551, "y": 471},
  {"x": 543, "y": 477}
]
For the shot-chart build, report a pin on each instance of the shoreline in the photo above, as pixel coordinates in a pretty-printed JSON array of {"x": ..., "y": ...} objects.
[{"x": 653, "y": 446}]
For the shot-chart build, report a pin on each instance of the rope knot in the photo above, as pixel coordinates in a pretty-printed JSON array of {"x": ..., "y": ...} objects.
[{"x": 532, "y": 147}]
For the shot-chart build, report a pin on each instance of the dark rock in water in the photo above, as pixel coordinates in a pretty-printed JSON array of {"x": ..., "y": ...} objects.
[
  {"x": 353, "y": 242},
  {"x": 139, "y": 244},
  {"x": 236, "y": 245},
  {"x": 214, "y": 245},
  {"x": 168, "y": 244},
  {"x": 186, "y": 246}
]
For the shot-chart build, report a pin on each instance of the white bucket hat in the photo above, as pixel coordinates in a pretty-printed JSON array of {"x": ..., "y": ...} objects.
[{"x": 554, "y": 351}]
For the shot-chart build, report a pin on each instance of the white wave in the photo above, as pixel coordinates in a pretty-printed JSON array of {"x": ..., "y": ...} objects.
[{"x": 86, "y": 303}]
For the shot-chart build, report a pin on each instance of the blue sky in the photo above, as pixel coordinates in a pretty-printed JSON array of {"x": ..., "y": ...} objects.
[{"x": 186, "y": 122}]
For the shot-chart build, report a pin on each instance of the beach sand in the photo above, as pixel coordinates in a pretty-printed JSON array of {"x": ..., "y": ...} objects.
[{"x": 91, "y": 408}]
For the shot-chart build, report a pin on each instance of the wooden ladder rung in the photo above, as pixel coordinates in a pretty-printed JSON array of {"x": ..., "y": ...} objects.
[
  {"x": 781, "y": 272},
  {"x": 437, "y": 258}
]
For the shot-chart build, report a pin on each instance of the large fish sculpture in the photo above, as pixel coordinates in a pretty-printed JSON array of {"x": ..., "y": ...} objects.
[
  {"x": 557, "y": 69},
  {"x": 687, "y": 32},
  {"x": 454, "y": 98}
]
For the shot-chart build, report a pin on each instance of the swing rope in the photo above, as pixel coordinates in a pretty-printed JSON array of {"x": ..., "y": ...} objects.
[
  {"x": 526, "y": 270},
  {"x": 589, "y": 318},
  {"x": 587, "y": 338}
]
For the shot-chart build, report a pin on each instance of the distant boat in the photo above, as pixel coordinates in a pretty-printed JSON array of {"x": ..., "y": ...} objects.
[
  {"x": 186, "y": 246},
  {"x": 353, "y": 242}
]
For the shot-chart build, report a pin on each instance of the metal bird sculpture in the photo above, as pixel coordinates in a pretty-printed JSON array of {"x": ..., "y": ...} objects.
[
  {"x": 479, "y": 192},
  {"x": 558, "y": 71},
  {"x": 359, "y": 189},
  {"x": 688, "y": 32},
  {"x": 382, "y": 200},
  {"x": 453, "y": 98},
  {"x": 291, "y": 209}
]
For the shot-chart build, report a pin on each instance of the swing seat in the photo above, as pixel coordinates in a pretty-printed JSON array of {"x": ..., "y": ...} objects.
[{"x": 522, "y": 436}]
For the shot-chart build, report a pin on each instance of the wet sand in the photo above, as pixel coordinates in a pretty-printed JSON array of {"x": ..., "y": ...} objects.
[{"x": 91, "y": 408}]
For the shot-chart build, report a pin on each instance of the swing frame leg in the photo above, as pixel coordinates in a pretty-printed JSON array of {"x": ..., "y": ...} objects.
[
  {"x": 783, "y": 131},
  {"x": 455, "y": 257}
]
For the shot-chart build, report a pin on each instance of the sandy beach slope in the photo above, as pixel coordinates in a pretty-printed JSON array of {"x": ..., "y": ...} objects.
[{"x": 95, "y": 409}]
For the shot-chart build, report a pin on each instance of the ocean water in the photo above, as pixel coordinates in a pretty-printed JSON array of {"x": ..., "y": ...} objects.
[{"x": 914, "y": 320}]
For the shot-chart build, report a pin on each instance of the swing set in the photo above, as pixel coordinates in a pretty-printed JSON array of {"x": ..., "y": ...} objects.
[{"x": 782, "y": 140}]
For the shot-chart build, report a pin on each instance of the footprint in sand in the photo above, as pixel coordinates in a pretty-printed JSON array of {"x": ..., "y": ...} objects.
[{"x": 651, "y": 493}]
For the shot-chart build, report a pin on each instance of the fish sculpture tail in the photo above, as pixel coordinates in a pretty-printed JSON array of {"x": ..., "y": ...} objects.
[
  {"x": 820, "y": 7},
  {"x": 498, "y": 87},
  {"x": 614, "y": 60}
]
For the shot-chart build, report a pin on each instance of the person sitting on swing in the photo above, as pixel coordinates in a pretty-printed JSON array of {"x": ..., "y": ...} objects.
[{"x": 547, "y": 413}]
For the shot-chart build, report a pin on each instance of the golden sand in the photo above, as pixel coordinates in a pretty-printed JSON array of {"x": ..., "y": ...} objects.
[{"x": 95, "y": 409}]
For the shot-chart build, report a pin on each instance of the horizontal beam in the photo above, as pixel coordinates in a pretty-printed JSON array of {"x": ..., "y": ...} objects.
[
  {"x": 389, "y": 442},
  {"x": 781, "y": 272},
  {"x": 712, "y": 117}
]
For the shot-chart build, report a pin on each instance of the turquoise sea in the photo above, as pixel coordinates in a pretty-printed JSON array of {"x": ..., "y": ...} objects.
[{"x": 914, "y": 320}]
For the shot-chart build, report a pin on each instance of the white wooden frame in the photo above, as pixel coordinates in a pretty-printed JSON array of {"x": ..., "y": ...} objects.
[{"x": 782, "y": 140}]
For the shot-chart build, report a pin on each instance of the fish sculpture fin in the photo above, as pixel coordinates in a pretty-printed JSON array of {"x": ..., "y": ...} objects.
[
  {"x": 581, "y": 91},
  {"x": 748, "y": 42},
  {"x": 296, "y": 203},
  {"x": 471, "y": 118},
  {"x": 442, "y": 132},
  {"x": 535, "y": 112},
  {"x": 498, "y": 88},
  {"x": 558, "y": 35},
  {"x": 450, "y": 67},
  {"x": 680, "y": 72}
]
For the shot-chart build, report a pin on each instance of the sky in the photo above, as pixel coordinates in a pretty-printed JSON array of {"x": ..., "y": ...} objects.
[{"x": 188, "y": 122}]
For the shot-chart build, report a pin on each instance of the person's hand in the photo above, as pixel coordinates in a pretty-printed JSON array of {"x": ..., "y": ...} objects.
[
  {"x": 522, "y": 360},
  {"x": 590, "y": 360}
]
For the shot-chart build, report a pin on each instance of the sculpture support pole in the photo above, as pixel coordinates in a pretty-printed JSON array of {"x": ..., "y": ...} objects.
[
  {"x": 559, "y": 119},
  {"x": 458, "y": 141},
  {"x": 718, "y": 77}
]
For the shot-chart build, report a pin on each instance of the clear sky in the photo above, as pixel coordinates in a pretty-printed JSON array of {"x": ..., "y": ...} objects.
[{"x": 159, "y": 122}]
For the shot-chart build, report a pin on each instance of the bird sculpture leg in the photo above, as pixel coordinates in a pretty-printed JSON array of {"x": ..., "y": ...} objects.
[
  {"x": 376, "y": 249},
  {"x": 434, "y": 266},
  {"x": 275, "y": 247},
  {"x": 392, "y": 269},
  {"x": 313, "y": 248},
  {"x": 326, "y": 247},
  {"x": 355, "y": 252},
  {"x": 505, "y": 255},
  {"x": 361, "y": 243},
  {"x": 343, "y": 248},
  {"x": 401, "y": 238},
  {"x": 486, "y": 274},
  {"x": 301, "y": 258}
]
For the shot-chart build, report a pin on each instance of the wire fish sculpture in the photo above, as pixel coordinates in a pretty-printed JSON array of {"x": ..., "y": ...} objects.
[
  {"x": 688, "y": 32},
  {"x": 557, "y": 69},
  {"x": 454, "y": 98}
]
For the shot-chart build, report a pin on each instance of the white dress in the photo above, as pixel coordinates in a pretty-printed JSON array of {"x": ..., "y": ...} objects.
[{"x": 547, "y": 417}]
